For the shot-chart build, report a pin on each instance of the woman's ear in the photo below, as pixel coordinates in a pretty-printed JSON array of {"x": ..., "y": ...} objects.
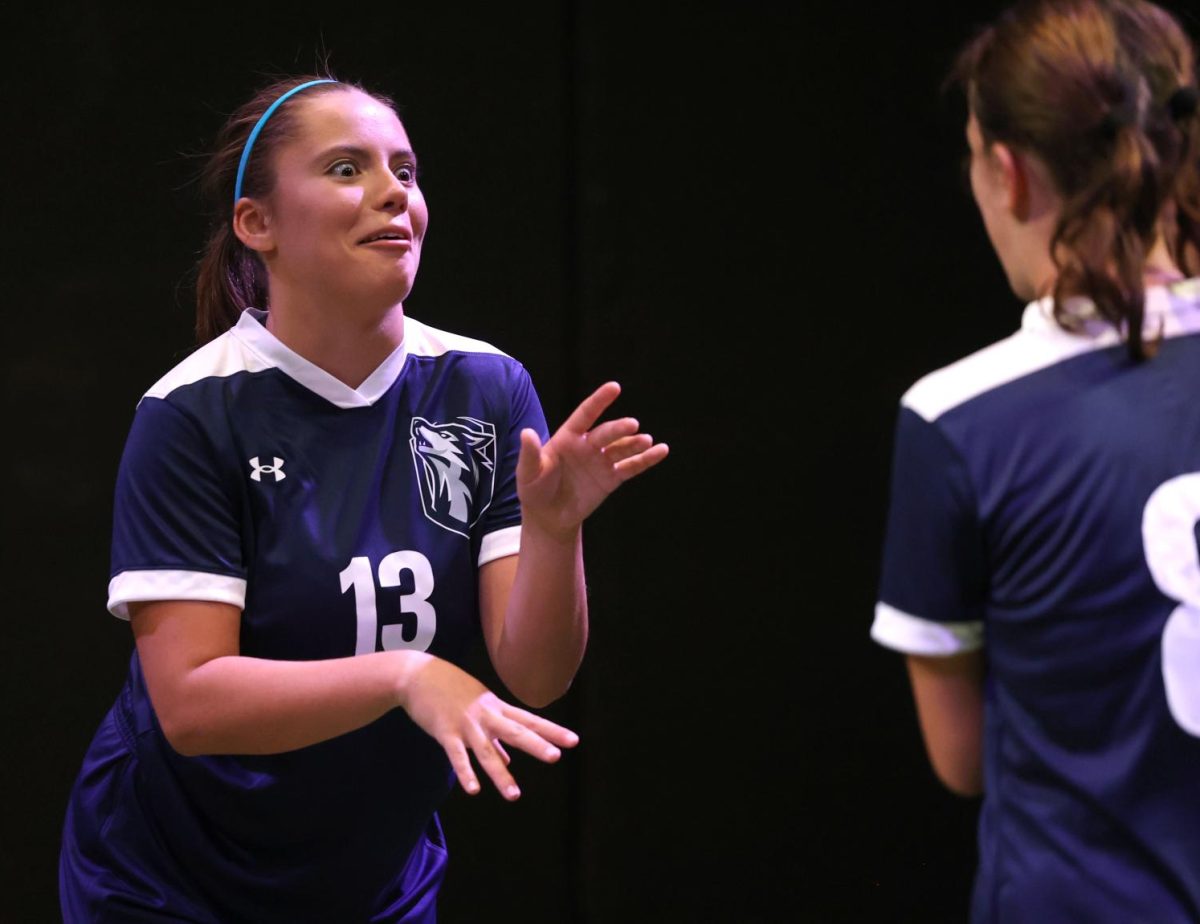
[
  {"x": 252, "y": 225},
  {"x": 1012, "y": 172}
]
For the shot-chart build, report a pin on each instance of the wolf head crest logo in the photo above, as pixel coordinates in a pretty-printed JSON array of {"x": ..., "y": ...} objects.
[{"x": 456, "y": 466}]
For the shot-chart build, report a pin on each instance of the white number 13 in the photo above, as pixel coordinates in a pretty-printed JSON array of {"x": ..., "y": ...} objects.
[
  {"x": 1169, "y": 540},
  {"x": 421, "y": 616}
]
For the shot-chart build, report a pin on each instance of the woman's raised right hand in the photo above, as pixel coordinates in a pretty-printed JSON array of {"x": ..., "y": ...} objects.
[{"x": 463, "y": 715}]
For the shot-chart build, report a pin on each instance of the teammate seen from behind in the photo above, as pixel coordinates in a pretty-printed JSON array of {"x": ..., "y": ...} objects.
[{"x": 1040, "y": 564}]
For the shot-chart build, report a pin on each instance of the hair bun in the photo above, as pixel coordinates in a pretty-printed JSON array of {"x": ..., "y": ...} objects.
[
  {"x": 1125, "y": 110},
  {"x": 1117, "y": 118}
]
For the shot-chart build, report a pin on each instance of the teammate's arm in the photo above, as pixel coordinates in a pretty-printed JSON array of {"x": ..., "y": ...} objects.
[
  {"x": 948, "y": 691},
  {"x": 211, "y": 700}
]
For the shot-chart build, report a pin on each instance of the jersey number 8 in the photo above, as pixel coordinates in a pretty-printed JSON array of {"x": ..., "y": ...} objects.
[{"x": 1169, "y": 540}]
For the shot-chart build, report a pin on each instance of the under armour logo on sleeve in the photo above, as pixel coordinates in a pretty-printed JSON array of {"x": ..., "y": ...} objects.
[{"x": 276, "y": 469}]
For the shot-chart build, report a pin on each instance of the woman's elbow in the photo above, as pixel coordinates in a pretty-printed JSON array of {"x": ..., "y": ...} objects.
[
  {"x": 539, "y": 696},
  {"x": 537, "y": 692},
  {"x": 183, "y": 724},
  {"x": 183, "y": 737},
  {"x": 962, "y": 779},
  {"x": 537, "y": 685}
]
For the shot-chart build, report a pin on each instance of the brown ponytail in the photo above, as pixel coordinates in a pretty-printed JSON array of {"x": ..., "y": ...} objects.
[
  {"x": 1085, "y": 85},
  {"x": 1110, "y": 220},
  {"x": 1186, "y": 240},
  {"x": 1167, "y": 58},
  {"x": 229, "y": 279}
]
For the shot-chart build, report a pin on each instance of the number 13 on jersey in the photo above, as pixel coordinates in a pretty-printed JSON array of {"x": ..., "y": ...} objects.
[{"x": 418, "y": 617}]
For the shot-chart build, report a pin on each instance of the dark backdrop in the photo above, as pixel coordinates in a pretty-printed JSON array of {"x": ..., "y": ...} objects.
[{"x": 750, "y": 214}]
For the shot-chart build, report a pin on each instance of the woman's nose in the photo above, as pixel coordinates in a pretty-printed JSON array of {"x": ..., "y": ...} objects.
[{"x": 394, "y": 194}]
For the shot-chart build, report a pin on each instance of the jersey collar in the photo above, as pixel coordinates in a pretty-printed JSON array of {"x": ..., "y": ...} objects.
[
  {"x": 1171, "y": 310},
  {"x": 251, "y": 330}
]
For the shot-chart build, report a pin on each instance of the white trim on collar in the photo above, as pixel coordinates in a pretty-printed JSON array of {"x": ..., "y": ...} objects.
[
  {"x": 251, "y": 331},
  {"x": 1171, "y": 311},
  {"x": 1176, "y": 306}
]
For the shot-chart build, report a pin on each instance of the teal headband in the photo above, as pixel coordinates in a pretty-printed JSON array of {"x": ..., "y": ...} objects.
[{"x": 237, "y": 187}]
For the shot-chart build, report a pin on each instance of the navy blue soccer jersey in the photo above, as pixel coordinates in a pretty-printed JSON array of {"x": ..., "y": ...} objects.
[
  {"x": 1045, "y": 496},
  {"x": 341, "y": 521}
]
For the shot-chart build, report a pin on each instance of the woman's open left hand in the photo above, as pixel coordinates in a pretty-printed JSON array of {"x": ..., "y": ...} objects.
[
  {"x": 562, "y": 482},
  {"x": 465, "y": 718}
]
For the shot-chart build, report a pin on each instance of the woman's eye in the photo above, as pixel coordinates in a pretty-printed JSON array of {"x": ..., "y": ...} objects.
[
  {"x": 407, "y": 174},
  {"x": 343, "y": 169}
]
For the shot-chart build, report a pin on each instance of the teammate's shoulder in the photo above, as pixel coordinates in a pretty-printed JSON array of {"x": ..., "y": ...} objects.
[
  {"x": 1038, "y": 344},
  {"x": 423, "y": 340},
  {"x": 221, "y": 357}
]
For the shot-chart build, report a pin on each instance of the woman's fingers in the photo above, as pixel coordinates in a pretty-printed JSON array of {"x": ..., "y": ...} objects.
[
  {"x": 637, "y": 464},
  {"x": 603, "y": 434},
  {"x": 482, "y": 723},
  {"x": 543, "y": 742},
  {"x": 525, "y": 738},
  {"x": 555, "y": 734},
  {"x": 590, "y": 409},
  {"x": 529, "y": 456},
  {"x": 624, "y": 448},
  {"x": 457, "y": 752},
  {"x": 493, "y": 764}
]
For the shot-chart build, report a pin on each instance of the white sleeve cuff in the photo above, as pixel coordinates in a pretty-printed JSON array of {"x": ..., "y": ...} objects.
[
  {"x": 499, "y": 544},
  {"x": 913, "y": 635},
  {"x": 138, "y": 586}
]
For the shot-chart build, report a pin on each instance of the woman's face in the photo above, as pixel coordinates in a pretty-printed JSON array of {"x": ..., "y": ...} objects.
[
  {"x": 346, "y": 217},
  {"x": 989, "y": 191},
  {"x": 1017, "y": 240}
]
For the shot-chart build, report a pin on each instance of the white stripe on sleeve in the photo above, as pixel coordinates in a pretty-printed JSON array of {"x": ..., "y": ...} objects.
[
  {"x": 138, "y": 586},
  {"x": 500, "y": 543},
  {"x": 896, "y": 629}
]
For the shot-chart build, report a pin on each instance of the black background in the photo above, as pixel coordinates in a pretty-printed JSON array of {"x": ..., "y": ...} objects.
[{"x": 750, "y": 214}]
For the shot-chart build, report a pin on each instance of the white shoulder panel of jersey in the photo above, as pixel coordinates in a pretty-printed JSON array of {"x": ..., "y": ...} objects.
[
  {"x": 219, "y": 358},
  {"x": 423, "y": 340},
  {"x": 1040, "y": 343}
]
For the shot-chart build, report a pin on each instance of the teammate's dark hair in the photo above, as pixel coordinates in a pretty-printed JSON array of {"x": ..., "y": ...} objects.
[
  {"x": 230, "y": 277},
  {"x": 1085, "y": 86}
]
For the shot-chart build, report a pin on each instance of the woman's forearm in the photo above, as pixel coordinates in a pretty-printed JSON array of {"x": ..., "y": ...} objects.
[
  {"x": 948, "y": 691},
  {"x": 240, "y": 705},
  {"x": 535, "y": 621},
  {"x": 546, "y": 620}
]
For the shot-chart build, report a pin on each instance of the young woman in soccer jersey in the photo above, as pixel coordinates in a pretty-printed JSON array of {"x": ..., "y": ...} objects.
[
  {"x": 316, "y": 513},
  {"x": 1040, "y": 564}
]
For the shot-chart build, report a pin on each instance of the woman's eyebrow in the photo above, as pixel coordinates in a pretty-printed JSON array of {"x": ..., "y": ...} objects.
[{"x": 351, "y": 150}]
